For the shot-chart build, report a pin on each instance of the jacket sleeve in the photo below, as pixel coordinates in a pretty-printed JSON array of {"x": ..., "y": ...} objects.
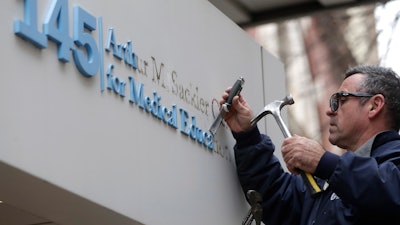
[
  {"x": 258, "y": 169},
  {"x": 370, "y": 184},
  {"x": 373, "y": 188}
]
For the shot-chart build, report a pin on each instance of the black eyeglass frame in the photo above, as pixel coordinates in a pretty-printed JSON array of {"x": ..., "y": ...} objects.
[{"x": 334, "y": 100}]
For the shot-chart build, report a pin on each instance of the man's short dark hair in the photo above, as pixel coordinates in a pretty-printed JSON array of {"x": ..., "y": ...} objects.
[{"x": 381, "y": 80}]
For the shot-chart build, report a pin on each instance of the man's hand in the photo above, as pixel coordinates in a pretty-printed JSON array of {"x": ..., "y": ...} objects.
[
  {"x": 301, "y": 153},
  {"x": 240, "y": 114}
]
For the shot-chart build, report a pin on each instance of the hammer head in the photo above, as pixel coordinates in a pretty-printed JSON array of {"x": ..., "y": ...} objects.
[{"x": 273, "y": 108}]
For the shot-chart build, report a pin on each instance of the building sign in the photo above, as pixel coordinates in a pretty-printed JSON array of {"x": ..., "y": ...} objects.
[
  {"x": 87, "y": 55},
  {"x": 106, "y": 107}
]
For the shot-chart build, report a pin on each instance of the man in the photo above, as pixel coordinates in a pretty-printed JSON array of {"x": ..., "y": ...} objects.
[{"x": 362, "y": 186}]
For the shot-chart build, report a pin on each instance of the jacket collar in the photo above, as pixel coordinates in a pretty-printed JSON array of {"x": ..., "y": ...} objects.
[{"x": 376, "y": 141}]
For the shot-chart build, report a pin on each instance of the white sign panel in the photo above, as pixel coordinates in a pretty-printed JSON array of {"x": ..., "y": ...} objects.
[{"x": 111, "y": 101}]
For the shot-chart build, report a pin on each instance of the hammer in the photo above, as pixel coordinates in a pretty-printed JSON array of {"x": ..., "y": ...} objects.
[{"x": 274, "y": 108}]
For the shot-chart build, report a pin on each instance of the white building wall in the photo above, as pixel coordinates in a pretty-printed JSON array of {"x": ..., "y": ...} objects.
[{"x": 97, "y": 157}]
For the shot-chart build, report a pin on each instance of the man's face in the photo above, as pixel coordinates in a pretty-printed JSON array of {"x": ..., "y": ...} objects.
[{"x": 350, "y": 118}]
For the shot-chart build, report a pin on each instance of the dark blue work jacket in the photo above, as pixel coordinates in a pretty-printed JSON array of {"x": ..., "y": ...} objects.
[{"x": 361, "y": 190}]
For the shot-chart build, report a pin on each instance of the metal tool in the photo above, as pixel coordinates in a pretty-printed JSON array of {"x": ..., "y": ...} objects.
[
  {"x": 274, "y": 108},
  {"x": 256, "y": 211},
  {"x": 235, "y": 90}
]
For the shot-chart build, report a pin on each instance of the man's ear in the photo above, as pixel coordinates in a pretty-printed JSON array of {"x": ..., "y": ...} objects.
[{"x": 377, "y": 103}]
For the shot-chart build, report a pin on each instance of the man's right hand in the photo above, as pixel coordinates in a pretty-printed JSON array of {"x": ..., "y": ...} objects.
[{"x": 240, "y": 114}]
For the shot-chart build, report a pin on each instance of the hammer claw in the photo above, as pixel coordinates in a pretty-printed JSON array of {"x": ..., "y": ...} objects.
[
  {"x": 274, "y": 108},
  {"x": 255, "y": 120}
]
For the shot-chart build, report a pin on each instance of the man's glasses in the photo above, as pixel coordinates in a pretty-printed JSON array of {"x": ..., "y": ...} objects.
[{"x": 334, "y": 100}]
